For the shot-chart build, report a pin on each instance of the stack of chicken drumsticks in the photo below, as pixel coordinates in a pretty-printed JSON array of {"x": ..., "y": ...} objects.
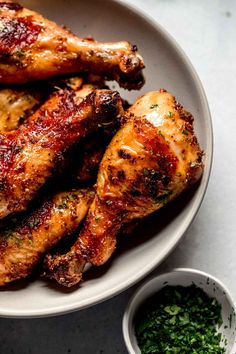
[{"x": 75, "y": 158}]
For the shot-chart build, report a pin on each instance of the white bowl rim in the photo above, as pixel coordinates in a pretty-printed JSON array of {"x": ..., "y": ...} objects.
[
  {"x": 138, "y": 293},
  {"x": 70, "y": 307}
]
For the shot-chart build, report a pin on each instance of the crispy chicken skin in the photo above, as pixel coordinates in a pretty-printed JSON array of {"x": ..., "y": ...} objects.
[
  {"x": 29, "y": 155},
  {"x": 34, "y": 48},
  {"x": 152, "y": 159},
  {"x": 23, "y": 245}
]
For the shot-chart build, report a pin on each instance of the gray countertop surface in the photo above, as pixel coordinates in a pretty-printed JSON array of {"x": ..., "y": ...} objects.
[{"x": 206, "y": 30}]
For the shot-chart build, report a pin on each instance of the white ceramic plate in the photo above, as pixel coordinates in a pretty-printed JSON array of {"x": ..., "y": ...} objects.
[{"x": 166, "y": 67}]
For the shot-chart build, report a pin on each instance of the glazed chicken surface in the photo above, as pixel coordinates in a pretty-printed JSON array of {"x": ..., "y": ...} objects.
[
  {"x": 30, "y": 154},
  {"x": 34, "y": 48},
  {"x": 152, "y": 159},
  {"x": 24, "y": 242}
]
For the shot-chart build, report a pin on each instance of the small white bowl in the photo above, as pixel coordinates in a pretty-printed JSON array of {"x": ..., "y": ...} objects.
[{"x": 184, "y": 277}]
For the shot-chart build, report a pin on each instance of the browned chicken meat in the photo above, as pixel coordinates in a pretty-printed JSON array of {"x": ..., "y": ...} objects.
[
  {"x": 34, "y": 48},
  {"x": 29, "y": 155},
  {"x": 23, "y": 244},
  {"x": 152, "y": 159}
]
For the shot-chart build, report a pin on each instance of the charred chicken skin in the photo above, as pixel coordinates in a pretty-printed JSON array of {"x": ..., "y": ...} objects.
[
  {"x": 29, "y": 155},
  {"x": 152, "y": 159},
  {"x": 23, "y": 245},
  {"x": 34, "y": 48}
]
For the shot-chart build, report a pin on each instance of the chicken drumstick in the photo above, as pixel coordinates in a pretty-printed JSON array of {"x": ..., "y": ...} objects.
[
  {"x": 152, "y": 159},
  {"x": 34, "y": 48}
]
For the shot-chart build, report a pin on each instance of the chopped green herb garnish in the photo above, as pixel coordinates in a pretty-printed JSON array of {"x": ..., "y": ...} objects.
[
  {"x": 181, "y": 320},
  {"x": 20, "y": 54},
  {"x": 154, "y": 106},
  {"x": 33, "y": 222},
  {"x": 63, "y": 205},
  {"x": 170, "y": 114},
  {"x": 97, "y": 217},
  {"x": 162, "y": 197},
  {"x": 145, "y": 172},
  {"x": 66, "y": 200},
  {"x": 72, "y": 196},
  {"x": 185, "y": 132},
  {"x": 17, "y": 237}
]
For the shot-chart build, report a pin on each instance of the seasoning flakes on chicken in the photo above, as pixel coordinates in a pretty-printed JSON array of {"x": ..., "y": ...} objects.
[
  {"x": 153, "y": 158},
  {"x": 22, "y": 245}
]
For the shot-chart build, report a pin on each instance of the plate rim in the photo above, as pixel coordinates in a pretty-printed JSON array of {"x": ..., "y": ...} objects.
[{"x": 201, "y": 191}]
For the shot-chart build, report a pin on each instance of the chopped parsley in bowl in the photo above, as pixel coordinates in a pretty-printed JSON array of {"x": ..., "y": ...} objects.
[
  {"x": 182, "y": 312},
  {"x": 179, "y": 320}
]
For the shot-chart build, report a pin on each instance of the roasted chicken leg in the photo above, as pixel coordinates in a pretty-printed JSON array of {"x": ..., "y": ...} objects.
[
  {"x": 152, "y": 159},
  {"x": 34, "y": 48},
  {"x": 29, "y": 155},
  {"x": 23, "y": 244}
]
